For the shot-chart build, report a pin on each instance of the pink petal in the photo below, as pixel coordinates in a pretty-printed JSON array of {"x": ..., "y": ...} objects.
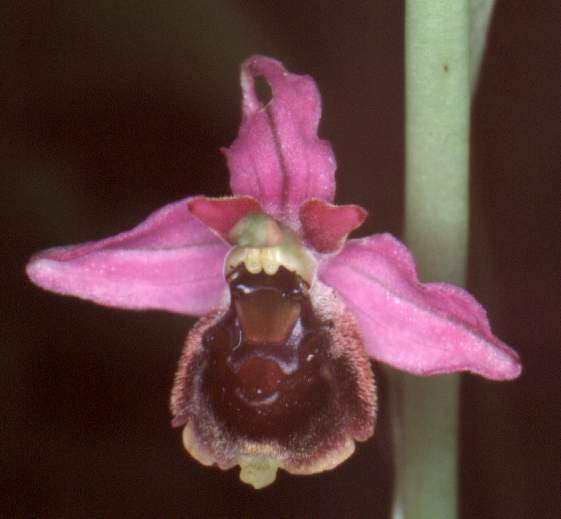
[
  {"x": 277, "y": 157},
  {"x": 171, "y": 262},
  {"x": 422, "y": 328},
  {"x": 326, "y": 226},
  {"x": 221, "y": 214}
]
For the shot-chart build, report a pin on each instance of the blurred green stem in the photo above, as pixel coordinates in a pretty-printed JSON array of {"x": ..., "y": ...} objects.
[{"x": 437, "y": 96}]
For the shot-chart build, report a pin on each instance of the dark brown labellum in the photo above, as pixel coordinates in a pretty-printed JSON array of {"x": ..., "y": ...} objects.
[{"x": 275, "y": 376}]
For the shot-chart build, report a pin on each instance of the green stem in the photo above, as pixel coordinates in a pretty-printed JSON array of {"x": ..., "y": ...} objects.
[
  {"x": 425, "y": 418},
  {"x": 437, "y": 136},
  {"x": 436, "y": 229}
]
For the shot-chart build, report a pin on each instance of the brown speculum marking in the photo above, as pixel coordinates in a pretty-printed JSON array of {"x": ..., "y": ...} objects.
[{"x": 266, "y": 373}]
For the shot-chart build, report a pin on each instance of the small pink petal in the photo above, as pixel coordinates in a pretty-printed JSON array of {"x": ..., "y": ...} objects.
[
  {"x": 222, "y": 214},
  {"x": 278, "y": 158},
  {"x": 171, "y": 262},
  {"x": 326, "y": 226},
  {"x": 421, "y": 328}
]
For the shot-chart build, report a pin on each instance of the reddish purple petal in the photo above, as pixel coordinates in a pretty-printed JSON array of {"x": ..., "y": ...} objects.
[
  {"x": 326, "y": 226},
  {"x": 222, "y": 214},
  {"x": 422, "y": 328},
  {"x": 277, "y": 157},
  {"x": 171, "y": 262}
]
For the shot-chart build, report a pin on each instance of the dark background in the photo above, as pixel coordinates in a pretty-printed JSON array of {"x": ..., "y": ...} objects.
[{"x": 111, "y": 110}]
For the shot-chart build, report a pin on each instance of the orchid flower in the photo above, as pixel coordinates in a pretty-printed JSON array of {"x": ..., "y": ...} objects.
[{"x": 276, "y": 372}]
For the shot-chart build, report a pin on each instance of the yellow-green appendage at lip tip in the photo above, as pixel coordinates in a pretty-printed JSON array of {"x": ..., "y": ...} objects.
[
  {"x": 262, "y": 243},
  {"x": 258, "y": 471}
]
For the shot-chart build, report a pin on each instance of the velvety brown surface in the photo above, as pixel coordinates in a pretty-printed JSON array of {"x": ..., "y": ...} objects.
[{"x": 261, "y": 375}]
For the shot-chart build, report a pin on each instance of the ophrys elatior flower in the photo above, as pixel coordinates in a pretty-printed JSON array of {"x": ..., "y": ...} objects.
[{"x": 276, "y": 372}]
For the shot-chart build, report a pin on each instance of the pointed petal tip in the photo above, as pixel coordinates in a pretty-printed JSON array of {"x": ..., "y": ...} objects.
[
  {"x": 35, "y": 269},
  {"x": 255, "y": 66},
  {"x": 42, "y": 268},
  {"x": 512, "y": 371},
  {"x": 509, "y": 367},
  {"x": 506, "y": 366}
]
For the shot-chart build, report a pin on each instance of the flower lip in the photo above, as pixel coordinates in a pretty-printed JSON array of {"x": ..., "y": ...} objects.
[{"x": 237, "y": 401}]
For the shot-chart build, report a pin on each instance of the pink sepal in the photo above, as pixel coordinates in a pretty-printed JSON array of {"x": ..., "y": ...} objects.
[
  {"x": 170, "y": 262},
  {"x": 326, "y": 226},
  {"x": 278, "y": 158},
  {"x": 221, "y": 214},
  {"x": 425, "y": 329}
]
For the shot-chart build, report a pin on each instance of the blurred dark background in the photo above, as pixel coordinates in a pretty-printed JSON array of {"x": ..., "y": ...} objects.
[{"x": 112, "y": 109}]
